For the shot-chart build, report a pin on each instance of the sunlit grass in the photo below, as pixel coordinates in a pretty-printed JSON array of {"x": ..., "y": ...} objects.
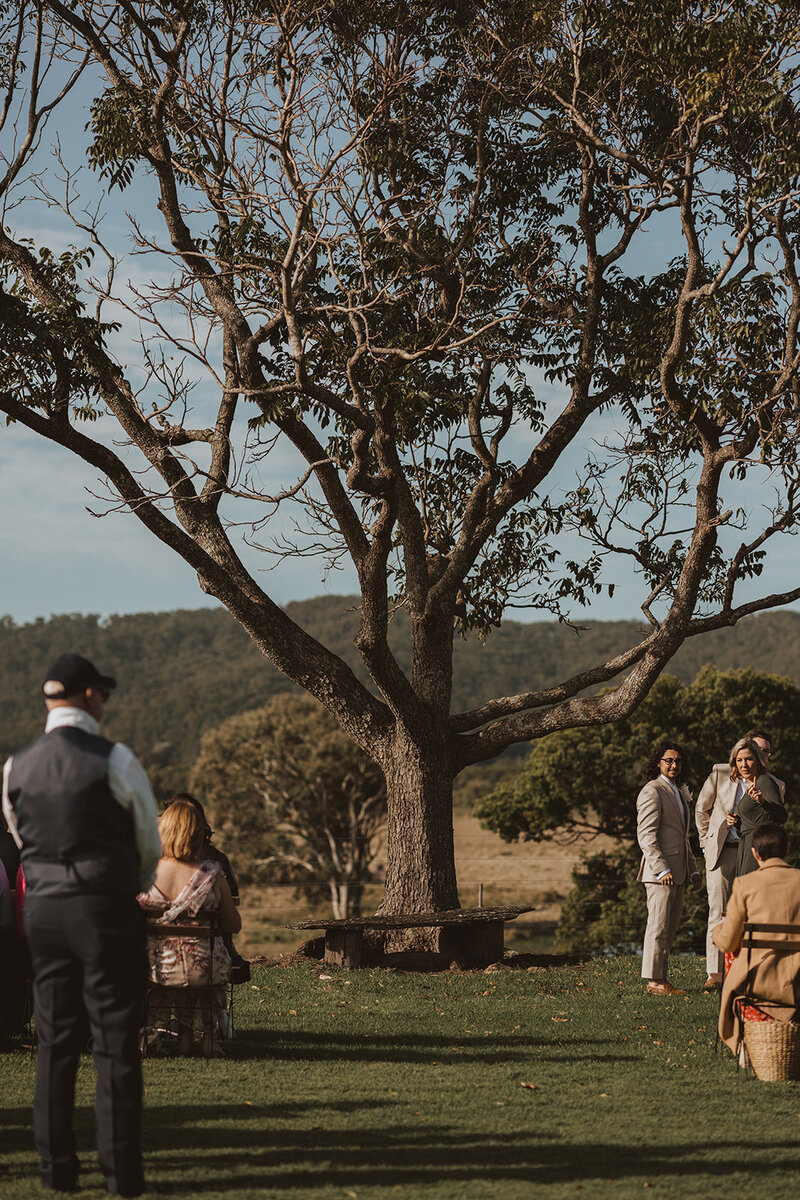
[{"x": 375, "y": 1083}]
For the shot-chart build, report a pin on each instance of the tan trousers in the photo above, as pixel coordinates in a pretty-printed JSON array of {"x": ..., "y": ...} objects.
[
  {"x": 719, "y": 883},
  {"x": 664, "y": 906}
]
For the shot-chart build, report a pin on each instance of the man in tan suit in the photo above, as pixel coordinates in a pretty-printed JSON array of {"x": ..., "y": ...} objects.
[
  {"x": 719, "y": 796},
  {"x": 662, "y": 831},
  {"x": 770, "y": 895}
]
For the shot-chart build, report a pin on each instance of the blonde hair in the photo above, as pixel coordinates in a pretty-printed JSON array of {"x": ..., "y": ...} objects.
[
  {"x": 182, "y": 831},
  {"x": 746, "y": 743}
]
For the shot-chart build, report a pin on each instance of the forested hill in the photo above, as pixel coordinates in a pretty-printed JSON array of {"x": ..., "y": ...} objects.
[{"x": 181, "y": 673}]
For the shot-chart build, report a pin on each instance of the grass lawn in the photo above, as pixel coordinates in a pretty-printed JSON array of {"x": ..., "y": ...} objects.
[{"x": 376, "y": 1084}]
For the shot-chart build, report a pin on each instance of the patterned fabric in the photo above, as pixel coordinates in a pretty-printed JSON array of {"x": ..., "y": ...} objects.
[
  {"x": 182, "y": 967},
  {"x": 746, "y": 1011}
]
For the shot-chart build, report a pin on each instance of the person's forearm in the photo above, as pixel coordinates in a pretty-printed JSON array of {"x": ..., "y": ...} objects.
[
  {"x": 8, "y": 811},
  {"x": 727, "y": 936}
]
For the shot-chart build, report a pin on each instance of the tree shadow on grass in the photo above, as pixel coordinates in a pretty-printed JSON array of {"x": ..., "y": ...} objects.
[
  {"x": 16, "y": 1130},
  {"x": 236, "y": 1147},
  {"x": 415, "y": 1048},
  {"x": 248, "y": 1155}
]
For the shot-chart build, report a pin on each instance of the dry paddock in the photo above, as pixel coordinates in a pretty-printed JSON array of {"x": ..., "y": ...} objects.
[{"x": 535, "y": 873}]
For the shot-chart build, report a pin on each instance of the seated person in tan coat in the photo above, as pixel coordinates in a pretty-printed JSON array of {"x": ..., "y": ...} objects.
[{"x": 769, "y": 895}]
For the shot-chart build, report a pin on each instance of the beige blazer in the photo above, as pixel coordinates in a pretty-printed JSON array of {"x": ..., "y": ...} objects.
[
  {"x": 770, "y": 895},
  {"x": 662, "y": 831},
  {"x": 713, "y": 804},
  {"x": 715, "y": 801}
]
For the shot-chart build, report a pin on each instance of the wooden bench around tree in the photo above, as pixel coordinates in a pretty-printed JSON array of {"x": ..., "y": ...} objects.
[{"x": 473, "y": 935}]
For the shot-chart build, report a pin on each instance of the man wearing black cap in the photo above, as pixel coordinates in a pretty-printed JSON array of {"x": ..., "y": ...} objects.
[{"x": 82, "y": 811}]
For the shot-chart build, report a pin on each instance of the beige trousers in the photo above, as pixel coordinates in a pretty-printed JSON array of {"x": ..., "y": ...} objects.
[
  {"x": 719, "y": 883},
  {"x": 664, "y": 906}
]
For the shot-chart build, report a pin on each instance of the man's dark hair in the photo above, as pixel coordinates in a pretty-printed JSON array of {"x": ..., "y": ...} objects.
[
  {"x": 653, "y": 769},
  {"x": 770, "y": 840},
  {"x": 758, "y": 733}
]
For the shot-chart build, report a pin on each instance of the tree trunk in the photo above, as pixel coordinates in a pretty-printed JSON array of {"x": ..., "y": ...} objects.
[
  {"x": 336, "y": 900},
  {"x": 346, "y": 898},
  {"x": 420, "y": 861}
]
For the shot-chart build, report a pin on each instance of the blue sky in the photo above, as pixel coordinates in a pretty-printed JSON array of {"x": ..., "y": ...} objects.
[{"x": 57, "y": 558}]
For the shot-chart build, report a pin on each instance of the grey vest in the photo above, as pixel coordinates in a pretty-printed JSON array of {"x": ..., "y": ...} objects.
[{"x": 76, "y": 838}]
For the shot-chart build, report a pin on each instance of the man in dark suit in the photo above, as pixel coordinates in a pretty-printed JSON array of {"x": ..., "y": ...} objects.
[{"x": 81, "y": 809}]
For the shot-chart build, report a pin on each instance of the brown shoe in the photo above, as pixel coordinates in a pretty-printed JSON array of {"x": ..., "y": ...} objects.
[
  {"x": 664, "y": 989},
  {"x": 713, "y": 981}
]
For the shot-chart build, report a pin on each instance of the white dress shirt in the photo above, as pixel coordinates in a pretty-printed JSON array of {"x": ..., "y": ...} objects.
[
  {"x": 677, "y": 794},
  {"x": 129, "y": 786}
]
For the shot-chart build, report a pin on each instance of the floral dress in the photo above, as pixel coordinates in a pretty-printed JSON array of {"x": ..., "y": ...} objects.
[{"x": 181, "y": 967}]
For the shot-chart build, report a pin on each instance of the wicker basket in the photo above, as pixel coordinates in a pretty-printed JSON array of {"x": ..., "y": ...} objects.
[{"x": 773, "y": 1048}]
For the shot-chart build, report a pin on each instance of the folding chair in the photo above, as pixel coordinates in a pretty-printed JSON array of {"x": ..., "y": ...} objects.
[
  {"x": 759, "y": 935},
  {"x": 201, "y": 930}
]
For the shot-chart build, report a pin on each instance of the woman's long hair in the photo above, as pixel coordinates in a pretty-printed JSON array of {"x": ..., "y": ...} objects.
[
  {"x": 190, "y": 799},
  {"x": 182, "y": 831}
]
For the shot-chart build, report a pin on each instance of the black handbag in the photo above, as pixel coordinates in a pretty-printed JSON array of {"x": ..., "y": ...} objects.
[{"x": 240, "y": 971}]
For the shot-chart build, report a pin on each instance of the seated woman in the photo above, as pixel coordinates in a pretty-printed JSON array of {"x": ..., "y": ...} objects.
[
  {"x": 758, "y": 799},
  {"x": 240, "y": 968},
  {"x": 771, "y": 979},
  {"x": 188, "y": 974}
]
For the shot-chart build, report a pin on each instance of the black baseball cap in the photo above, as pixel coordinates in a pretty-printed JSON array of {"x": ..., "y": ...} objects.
[{"x": 71, "y": 674}]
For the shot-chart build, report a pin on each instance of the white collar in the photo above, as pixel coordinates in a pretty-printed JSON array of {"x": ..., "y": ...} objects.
[{"x": 66, "y": 715}]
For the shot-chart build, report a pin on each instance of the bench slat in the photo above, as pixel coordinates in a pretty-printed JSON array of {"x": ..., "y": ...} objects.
[
  {"x": 459, "y": 916},
  {"x": 758, "y": 927}
]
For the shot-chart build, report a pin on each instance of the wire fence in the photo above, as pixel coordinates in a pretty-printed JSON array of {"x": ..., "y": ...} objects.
[{"x": 541, "y": 880}]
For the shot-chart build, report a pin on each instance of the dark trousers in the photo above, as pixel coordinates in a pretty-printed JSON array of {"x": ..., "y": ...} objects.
[{"x": 88, "y": 955}]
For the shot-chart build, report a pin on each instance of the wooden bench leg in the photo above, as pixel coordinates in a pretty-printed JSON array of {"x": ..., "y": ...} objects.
[
  {"x": 475, "y": 943},
  {"x": 487, "y": 941},
  {"x": 344, "y": 947}
]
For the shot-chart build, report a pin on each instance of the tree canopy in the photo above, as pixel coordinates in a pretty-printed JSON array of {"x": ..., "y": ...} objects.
[
  {"x": 586, "y": 782},
  {"x": 407, "y": 243},
  {"x": 294, "y": 797}
]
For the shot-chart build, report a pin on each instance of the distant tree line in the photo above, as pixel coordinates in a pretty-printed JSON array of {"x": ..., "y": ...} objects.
[{"x": 182, "y": 673}]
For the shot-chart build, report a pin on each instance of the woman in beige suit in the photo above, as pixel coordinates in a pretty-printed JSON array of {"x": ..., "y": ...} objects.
[
  {"x": 662, "y": 830},
  {"x": 718, "y": 825},
  {"x": 768, "y": 895}
]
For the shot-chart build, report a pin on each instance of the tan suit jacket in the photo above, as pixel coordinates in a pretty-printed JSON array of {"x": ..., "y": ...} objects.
[
  {"x": 770, "y": 895},
  {"x": 662, "y": 831},
  {"x": 715, "y": 801}
]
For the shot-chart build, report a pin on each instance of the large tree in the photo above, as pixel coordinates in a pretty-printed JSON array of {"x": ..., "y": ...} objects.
[{"x": 425, "y": 246}]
